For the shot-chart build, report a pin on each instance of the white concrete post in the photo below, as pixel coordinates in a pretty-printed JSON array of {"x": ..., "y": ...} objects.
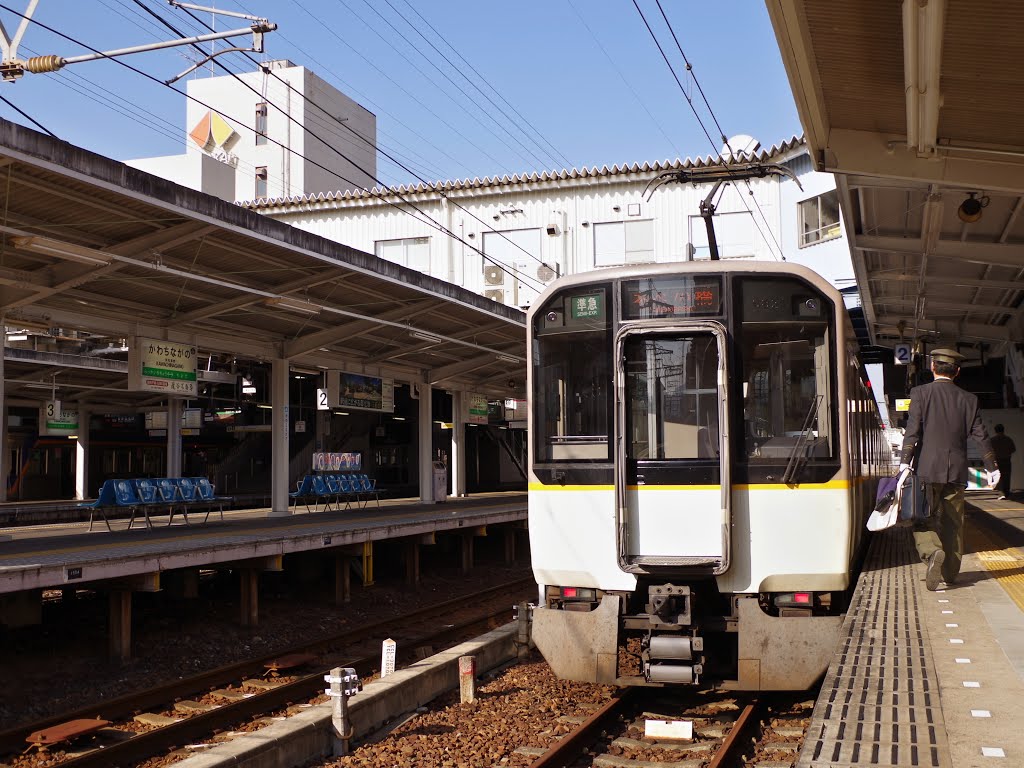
[
  {"x": 279, "y": 456},
  {"x": 82, "y": 456},
  {"x": 425, "y": 431},
  {"x": 174, "y": 411},
  {"x": 457, "y": 465}
]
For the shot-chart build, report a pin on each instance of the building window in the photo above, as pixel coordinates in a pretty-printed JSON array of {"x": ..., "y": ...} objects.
[
  {"x": 623, "y": 242},
  {"x": 261, "y": 124},
  {"x": 261, "y": 182},
  {"x": 819, "y": 219},
  {"x": 734, "y": 233},
  {"x": 411, "y": 252}
]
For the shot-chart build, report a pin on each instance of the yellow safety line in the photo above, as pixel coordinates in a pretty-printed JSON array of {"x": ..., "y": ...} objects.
[{"x": 1007, "y": 565}]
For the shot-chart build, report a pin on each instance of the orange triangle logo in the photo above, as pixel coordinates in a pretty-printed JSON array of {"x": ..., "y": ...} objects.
[{"x": 202, "y": 134}]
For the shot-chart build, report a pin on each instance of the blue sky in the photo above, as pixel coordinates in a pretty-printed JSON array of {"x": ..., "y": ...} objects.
[{"x": 581, "y": 82}]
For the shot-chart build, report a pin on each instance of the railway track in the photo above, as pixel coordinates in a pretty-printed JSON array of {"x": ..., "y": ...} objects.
[
  {"x": 196, "y": 708},
  {"x": 638, "y": 728}
]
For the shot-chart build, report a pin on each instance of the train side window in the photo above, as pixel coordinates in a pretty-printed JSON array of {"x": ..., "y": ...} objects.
[
  {"x": 572, "y": 375},
  {"x": 783, "y": 339}
]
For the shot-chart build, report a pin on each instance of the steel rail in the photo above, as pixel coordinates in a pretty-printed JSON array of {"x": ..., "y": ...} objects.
[
  {"x": 565, "y": 751},
  {"x": 13, "y": 740}
]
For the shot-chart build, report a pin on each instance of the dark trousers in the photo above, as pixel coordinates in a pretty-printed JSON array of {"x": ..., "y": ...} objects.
[
  {"x": 1003, "y": 486},
  {"x": 944, "y": 527}
]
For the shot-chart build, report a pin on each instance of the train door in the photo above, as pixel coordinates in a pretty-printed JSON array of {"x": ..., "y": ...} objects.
[{"x": 672, "y": 468}]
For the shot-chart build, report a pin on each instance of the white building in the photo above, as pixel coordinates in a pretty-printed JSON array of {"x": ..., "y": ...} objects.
[
  {"x": 514, "y": 234},
  {"x": 258, "y": 135}
]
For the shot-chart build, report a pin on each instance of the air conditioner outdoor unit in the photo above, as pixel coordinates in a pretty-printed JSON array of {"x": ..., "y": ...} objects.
[
  {"x": 497, "y": 295},
  {"x": 546, "y": 274},
  {"x": 493, "y": 275}
]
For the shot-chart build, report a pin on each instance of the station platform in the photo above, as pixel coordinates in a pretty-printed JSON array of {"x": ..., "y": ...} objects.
[
  {"x": 930, "y": 679},
  {"x": 63, "y": 555}
]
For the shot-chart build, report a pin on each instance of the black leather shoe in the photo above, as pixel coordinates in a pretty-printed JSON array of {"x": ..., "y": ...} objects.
[{"x": 933, "y": 575}]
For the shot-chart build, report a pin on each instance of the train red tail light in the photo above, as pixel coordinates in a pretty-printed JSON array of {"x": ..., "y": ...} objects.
[
  {"x": 568, "y": 591},
  {"x": 802, "y": 598}
]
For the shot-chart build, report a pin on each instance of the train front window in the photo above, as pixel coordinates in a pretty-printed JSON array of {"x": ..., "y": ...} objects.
[
  {"x": 571, "y": 384},
  {"x": 783, "y": 347},
  {"x": 672, "y": 397}
]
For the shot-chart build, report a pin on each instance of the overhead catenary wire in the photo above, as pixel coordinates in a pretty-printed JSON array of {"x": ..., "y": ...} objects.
[
  {"x": 349, "y": 128},
  {"x": 529, "y": 157},
  {"x": 27, "y": 116},
  {"x": 557, "y": 153},
  {"x": 424, "y": 217},
  {"x": 509, "y": 120},
  {"x": 704, "y": 128}
]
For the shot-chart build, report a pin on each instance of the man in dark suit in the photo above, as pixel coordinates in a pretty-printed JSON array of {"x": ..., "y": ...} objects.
[{"x": 942, "y": 417}]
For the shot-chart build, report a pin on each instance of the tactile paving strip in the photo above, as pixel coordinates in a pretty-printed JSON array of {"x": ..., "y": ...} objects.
[{"x": 879, "y": 705}]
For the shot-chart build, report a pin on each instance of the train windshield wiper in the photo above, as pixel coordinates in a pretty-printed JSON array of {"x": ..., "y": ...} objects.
[{"x": 796, "y": 459}]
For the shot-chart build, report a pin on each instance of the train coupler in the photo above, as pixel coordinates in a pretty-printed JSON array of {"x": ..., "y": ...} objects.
[{"x": 673, "y": 659}]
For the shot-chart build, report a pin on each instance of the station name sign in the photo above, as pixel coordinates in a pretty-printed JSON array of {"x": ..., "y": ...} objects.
[{"x": 167, "y": 367}]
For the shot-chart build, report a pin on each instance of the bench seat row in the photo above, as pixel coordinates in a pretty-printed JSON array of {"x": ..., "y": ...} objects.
[
  {"x": 335, "y": 488},
  {"x": 143, "y": 495}
]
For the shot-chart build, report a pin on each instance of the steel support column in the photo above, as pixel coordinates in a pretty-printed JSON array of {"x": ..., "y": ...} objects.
[{"x": 279, "y": 437}]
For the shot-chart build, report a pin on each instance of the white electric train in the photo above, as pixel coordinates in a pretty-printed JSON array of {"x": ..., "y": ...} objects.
[{"x": 704, "y": 454}]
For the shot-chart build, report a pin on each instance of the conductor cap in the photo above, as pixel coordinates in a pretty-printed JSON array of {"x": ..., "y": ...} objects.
[{"x": 946, "y": 356}]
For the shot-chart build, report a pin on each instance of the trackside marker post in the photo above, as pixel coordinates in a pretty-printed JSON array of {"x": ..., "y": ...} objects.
[
  {"x": 344, "y": 683},
  {"x": 467, "y": 678},
  {"x": 389, "y": 649}
]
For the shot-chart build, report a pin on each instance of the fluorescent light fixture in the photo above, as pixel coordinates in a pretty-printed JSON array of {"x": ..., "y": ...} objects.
[
  {"x": 508, "y": 359},
  {"x": 266, "y": 407},
  {"x": 294, "y": 305},
  {"x": 398, "y": 418},
  {"x": 17, "y": 337},
  {"x": 424, "y": 336},
  {"x": 49, "y": 247},
  {"x": 341, "y": 413}
]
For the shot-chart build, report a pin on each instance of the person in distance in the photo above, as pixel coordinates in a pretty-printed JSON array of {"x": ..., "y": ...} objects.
[
  {"x": 1004, "y": 449},
  {"x": 942, "y": 417}
]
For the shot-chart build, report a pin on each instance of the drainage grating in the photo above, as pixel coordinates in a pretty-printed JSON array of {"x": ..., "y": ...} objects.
[{"x": 879, "y": 705}]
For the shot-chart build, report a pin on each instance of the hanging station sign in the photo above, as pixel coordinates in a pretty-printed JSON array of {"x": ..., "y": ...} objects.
[
  {"x": 168, "y": 367},
  {"x": 62, "y": 421},
  {"x": 476, "y": 409}
]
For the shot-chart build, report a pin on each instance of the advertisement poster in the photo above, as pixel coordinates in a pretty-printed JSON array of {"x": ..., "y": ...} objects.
[{"x": 366, "y": 392}]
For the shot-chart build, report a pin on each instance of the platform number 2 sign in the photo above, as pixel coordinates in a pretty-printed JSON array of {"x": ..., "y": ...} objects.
[
  {"x": 321, "y": 400},
  {"x": 903, "y": 354}
]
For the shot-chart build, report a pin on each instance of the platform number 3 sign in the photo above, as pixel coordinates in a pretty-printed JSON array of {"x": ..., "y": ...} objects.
[{"x": 903, "y": 354}]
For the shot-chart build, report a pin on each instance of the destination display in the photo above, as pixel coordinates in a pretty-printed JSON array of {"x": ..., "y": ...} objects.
[{"x": 676, "y": 296}]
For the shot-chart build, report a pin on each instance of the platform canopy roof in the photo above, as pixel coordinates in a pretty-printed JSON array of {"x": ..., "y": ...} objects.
[
  {"x": 90, "y": 245},
  {"x": 918, "y": 107}
]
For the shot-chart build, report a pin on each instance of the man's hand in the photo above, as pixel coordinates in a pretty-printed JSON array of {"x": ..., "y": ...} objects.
[{"x": 993, "y": 478}]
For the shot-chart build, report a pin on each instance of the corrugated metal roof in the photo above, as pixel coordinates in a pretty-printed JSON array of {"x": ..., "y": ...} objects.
[{"x": 604, "y": 171}]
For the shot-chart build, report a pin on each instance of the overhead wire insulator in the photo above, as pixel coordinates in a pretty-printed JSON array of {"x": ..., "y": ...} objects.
[{"x": 40, "y": 64}]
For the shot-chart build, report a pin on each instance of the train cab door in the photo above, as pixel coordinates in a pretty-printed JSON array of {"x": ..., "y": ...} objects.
[{"x": 672, "y": 468}]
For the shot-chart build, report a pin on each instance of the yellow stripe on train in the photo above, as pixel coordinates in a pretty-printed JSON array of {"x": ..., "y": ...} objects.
[{"x": 830, "y": 485}]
